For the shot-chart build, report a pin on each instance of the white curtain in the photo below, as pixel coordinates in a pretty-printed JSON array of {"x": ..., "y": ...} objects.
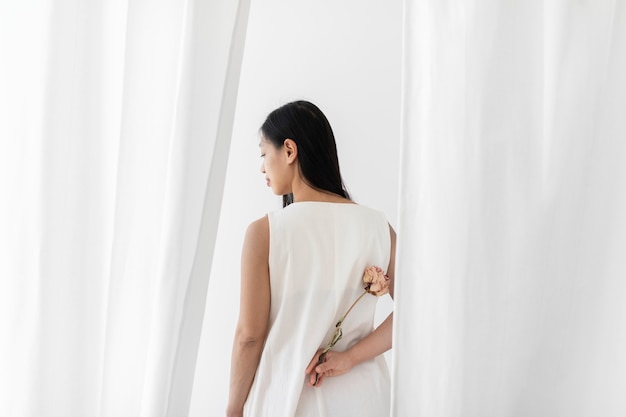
[
  {"x": 511, "y": 270},
  {"x": 114, "y": 135}
]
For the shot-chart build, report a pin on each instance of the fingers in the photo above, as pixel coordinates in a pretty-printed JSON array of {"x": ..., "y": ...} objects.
[
  {"x": 316, "y": 377},
  {"x": 334, "y": 363},
  {"x": 323, "y": 367},
  {"x": 313, "y": 377},
  {"x": 320, "y": 380},
  {"x": 320, "y": 371},
  {"x": 313, "y": 362}
]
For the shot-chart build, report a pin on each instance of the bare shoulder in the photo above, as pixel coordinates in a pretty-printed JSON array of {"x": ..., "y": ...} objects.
[
  {"x": 256, "y": 242},
  {"x": 259, "y": 228}
]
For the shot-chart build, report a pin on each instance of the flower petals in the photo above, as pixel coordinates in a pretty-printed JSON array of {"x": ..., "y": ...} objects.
[{"x": 376, "y": 281}]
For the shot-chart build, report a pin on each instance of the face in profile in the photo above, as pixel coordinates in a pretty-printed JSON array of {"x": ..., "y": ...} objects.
[{"x": 275, "y": 166}]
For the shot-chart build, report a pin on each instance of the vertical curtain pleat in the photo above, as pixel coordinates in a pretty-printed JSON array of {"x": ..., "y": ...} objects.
[
  {"x": 194, "y": 135},
  {"x": 198, "y": 256},
  {"x": 112, "y": 164},
  {"x": 510, "y": 280},
  {"x": 153, "y": 52}
]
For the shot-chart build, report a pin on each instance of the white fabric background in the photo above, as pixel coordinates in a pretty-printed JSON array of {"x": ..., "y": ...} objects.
[
  {"x": 116, "y": 121},
  {"x": 511, "y": 266}
]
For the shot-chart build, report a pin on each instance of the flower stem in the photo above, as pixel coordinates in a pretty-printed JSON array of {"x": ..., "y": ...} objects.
[
  {"x": 350, "y": 309},
  {"x": 338, "y": 333}
]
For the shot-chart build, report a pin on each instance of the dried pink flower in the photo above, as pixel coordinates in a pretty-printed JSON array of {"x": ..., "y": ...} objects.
[{"x": 376, "y": 282}]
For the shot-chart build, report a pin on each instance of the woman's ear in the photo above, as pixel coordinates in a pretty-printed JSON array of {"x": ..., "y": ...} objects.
[{"x": 291, "y": 148}]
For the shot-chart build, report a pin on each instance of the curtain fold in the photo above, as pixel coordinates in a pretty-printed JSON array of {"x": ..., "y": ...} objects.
[
  {"x": 113, "y": 158},
  {"x": 510, "y": 274}
]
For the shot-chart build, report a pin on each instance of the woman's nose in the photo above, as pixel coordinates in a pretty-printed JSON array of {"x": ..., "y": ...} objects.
[{"x": 262, "y": 168}]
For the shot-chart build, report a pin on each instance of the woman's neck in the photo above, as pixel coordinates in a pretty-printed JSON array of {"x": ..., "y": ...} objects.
[{"x": 304, "y": 192}]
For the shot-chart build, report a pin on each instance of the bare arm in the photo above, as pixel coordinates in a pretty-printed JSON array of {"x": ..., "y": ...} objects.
[
  {"x": 376, "y": 343},
  {"x": 253, "y": 315}
]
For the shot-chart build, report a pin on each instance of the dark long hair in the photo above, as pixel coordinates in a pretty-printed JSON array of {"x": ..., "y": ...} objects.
[{"x": 306, "y": 125}]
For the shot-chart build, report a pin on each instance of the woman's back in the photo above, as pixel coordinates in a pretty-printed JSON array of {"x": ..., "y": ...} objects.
[{"x": 318, "y": 252}]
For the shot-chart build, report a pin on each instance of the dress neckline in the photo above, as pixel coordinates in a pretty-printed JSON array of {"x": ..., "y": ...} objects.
[{"x": 324, "y": 202}]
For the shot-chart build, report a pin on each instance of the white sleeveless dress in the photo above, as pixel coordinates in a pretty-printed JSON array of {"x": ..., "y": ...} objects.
[{"x": 318, "y": 252}]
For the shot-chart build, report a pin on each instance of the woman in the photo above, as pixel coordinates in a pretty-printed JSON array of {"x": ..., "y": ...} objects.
[{"x": 301, "y": 269}]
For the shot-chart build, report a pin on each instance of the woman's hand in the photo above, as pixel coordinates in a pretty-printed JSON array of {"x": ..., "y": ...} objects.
[{"x": 335, "y": 363}]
